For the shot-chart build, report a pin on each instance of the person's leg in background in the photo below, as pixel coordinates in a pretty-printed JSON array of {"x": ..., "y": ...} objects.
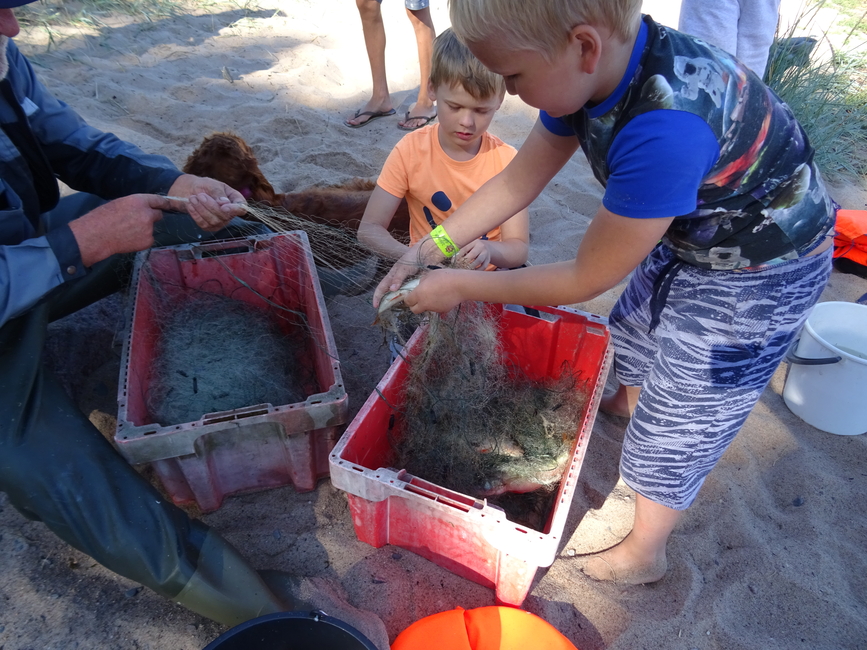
[
  {"x": 423, "y": 110},
  {"x": 374, "y": 40},
  {"x": 757, "y": 26},
  {"x": 56, "y": 467},
  {"x": 744, "y": 28},
  {"x": 713, "y": 22}
]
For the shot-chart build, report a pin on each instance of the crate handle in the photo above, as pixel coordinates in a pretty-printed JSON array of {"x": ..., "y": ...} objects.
[
  {"x": 236, "y": 414},
  {"x": 433, "y": 496},
  {"x": 224, "y": 247},
  {"x": 439, "y": 494},
  {"x": 533, "y": 312}
]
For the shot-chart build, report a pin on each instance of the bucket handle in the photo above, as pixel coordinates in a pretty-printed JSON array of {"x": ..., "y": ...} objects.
[{"x": 791, "y": 357}]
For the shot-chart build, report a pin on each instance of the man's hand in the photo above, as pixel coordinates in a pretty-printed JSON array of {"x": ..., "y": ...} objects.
[
  {"x": 474, "y": 256},
  {"x": 121, "y": 226},
  {"x": 211, "y": 204}
]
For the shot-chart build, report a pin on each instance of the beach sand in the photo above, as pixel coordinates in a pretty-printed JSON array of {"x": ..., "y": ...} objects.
[{"x": 771, "y": 556}]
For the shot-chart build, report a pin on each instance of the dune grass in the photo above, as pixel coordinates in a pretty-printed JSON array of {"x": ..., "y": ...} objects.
[
  {"x": 826, "y": 91},
  {"x": 59, "y": 18},
  {"x": 52, "y": 13},
  {"x": 852, "y": 14},
  {"x": 56, "y": 13}
]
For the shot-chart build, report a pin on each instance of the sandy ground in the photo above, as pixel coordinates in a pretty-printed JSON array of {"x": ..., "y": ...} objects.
[{"x": 770, "y": 557}]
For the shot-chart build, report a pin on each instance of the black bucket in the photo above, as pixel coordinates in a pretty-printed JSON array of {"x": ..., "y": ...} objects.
[{"x": 292, "y": 631}]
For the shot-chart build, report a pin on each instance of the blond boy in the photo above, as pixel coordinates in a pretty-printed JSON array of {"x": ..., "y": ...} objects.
[
  {"x": 711, "y": 200},
  {"x": 438, "y": 167}
]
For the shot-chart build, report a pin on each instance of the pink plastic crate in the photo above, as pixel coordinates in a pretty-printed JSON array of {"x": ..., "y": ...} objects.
[
  {"x": 466, "y": 535},
  {"x": 258, "y": 446}
]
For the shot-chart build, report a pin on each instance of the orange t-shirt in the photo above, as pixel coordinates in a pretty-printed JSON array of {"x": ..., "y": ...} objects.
[{"x": 434, "y": 184}]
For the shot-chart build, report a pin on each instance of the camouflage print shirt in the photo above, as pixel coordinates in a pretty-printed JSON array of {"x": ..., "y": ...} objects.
[{"x": 759, "y": 199}]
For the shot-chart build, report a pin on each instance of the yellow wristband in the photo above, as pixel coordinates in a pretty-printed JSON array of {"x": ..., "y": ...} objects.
[{"x": 443, "y": 241}]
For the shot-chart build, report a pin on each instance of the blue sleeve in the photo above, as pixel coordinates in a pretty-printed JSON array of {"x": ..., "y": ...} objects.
[
  {"x": 657, "y": 163},
  {"x": 555, "y": 125},
  {"x": 67, "y": 252},
  {"x": 28, "y": 271}
]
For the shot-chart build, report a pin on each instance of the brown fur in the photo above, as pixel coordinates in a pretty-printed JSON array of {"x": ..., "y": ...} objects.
[{"x": 227, "y": 158}]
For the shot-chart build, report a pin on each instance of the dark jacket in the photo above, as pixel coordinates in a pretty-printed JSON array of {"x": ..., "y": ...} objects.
[{"x": 42, "y": 139}]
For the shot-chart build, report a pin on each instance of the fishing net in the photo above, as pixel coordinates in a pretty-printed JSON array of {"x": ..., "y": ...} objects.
[
  {"x": 223, "y": 328},
  {"x": 231, "y": 330},
  {"x": 471, "y": 420},
  {"x": 475, "y": 423},
  {"x": 218, "y": 354}
]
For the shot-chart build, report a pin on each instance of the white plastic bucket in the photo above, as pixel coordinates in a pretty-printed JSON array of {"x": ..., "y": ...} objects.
[{"x": 827, "y": 382}]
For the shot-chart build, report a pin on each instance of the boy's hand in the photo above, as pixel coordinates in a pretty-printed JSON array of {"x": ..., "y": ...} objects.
[
  {"x": 474, "y": 256},
  {"x": 437, "y": 291},
  {"x": 420, "y": 256}
]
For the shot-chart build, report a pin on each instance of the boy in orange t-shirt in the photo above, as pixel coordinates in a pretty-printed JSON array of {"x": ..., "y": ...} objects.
[{"x": 438, "y": 167}]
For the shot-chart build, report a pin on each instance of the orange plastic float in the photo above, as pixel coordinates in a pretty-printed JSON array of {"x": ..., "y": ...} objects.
[
  {"x": 851, "y": 236},
  {"x": 483, "y": 628}
]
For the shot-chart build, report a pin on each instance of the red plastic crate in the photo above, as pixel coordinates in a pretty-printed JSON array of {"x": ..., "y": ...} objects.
[
  {"x": 466, "y": 535},
  {"x": 252, "y": 448}
]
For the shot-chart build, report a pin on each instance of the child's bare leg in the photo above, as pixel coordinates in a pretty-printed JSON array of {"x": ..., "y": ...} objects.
[
  {"x": 622, "y": 402},
  {"x": 640, "y": 557},
  {"x": 374, "y": 41},
  {"x": 423, "y": 107}
]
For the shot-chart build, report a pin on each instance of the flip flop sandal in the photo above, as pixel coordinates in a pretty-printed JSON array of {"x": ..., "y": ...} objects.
[
  {"x": 373, "y": 115},
  {"x": 407, "y": 117}
]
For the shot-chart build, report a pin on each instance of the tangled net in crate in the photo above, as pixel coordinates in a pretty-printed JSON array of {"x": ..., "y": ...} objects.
[
  {"x": 217, "y": 354},
  {"x": 227, "y": 326},
  {"x": 215, "y": 351},
  {"x": 474, "y": 423}
]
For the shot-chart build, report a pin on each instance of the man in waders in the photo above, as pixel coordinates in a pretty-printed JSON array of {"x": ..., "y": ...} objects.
[{"x": 57, "y": 256}]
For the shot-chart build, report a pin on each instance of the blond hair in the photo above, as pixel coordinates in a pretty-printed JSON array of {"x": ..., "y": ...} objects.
[
  {"x": 452, "y": 64},
  {"x": 540, "y": 25}
]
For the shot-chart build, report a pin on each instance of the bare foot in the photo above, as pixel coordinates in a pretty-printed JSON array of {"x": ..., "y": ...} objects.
[
  {"x": 615, "y": 404},
  {"x": 370, "y": 111},
  {"x": 419, "y": 115},
  {"x": 619, "y": 565}
]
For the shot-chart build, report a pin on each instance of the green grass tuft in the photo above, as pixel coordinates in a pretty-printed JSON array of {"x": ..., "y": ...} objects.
[
  {"x": 50, "y": 13},
  {"x": 852, "y": 14},
  {"x": 826, "y": 94}
]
